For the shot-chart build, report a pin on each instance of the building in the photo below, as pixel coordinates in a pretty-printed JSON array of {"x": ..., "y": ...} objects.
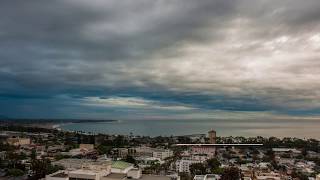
[
  {"x": 210, "y": 151},
  {"x": 162, "y": 153},
  {"x": 16, "y": 141},
  {"x": 199, "y": 157},
  {"x": 79, "y": 152},
  {"x": 143, "y": 151},
  {"x": 282, "y": 151},
  {"x": 56, "y": 148},
  {"x": 212, "y": 137},
  {"x": 59, "y": 175},
  {"x": 267, "y": 176},
  {"x": 121, "y": 152},
  {"x": 87, "y": 174},
  {"x": 144, "y": 162},
  {"x": 81, "y": 169},
  {"x": 183, "y": 165},
  {"x": 3, "y": 155},
  {"x": 135, "y": 151},
  {"x": 121, "y": 167},
  {"x": 83, "y": 163},
  {"x": 134, "y": 173},
  {"x": 79, "y": 174},
  {"x": 86, "y": 146},
  {"x": 90, "y": 174},
  {"x": 70, "y": 163},
  {"x": 207, "y": 177}
]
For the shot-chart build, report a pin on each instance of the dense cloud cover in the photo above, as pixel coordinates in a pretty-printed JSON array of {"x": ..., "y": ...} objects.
[{"x": 160, "y": 59}]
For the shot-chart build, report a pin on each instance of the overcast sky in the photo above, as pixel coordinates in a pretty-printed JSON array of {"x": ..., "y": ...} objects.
[{"x": 160, "y": 59}]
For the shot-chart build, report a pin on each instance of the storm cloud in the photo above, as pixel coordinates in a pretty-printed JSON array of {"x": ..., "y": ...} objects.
[{"x": 160, "y": 59}]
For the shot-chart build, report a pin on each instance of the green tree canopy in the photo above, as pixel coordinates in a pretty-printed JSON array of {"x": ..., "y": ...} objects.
[{"x": 231, "y": 173}]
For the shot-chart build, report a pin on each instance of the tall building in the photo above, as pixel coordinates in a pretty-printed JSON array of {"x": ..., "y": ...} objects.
[{"x": 212, "y": 136}]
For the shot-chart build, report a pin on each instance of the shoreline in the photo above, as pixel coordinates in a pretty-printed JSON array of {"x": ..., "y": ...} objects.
[{"x": 115, "y": 129}]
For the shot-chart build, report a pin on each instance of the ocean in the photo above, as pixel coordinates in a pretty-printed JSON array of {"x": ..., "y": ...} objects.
[{"x": 248, "y": 128}]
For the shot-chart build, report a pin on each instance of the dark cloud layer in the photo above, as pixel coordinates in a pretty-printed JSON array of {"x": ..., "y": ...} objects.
[{"x": 159, "y": 59}]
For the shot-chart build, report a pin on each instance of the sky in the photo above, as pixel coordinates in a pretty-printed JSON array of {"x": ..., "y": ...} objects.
[{"x": 160, "y": 59}]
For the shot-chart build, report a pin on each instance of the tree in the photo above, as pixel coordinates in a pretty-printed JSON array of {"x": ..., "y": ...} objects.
[
  {"x": 231, "y": 173},
  {"x": 130, "y": 159},
  {"x": 300, "y": 175},
  {"x": 13, "y": 159},
  {"x": 185, "y": 176},
  {"x": 33, "y": 154},
  {"x": 213, "y": 164},
  {"x": 42, "y": 167},
  {"x": 217, "y": 171},
  {"x": 197, "y": 169},
  {"x": 102, "y": 149},
  {"x": 15, "y": 172}
]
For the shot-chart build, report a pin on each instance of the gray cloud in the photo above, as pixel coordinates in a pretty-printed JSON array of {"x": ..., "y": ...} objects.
[{"x": 266, "y": 51}]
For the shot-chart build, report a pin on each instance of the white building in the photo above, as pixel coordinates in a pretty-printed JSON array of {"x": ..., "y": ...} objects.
[
  {"x": 183, "y": 165},
  {"x": 207, "y": 177},
  {"x": 162, "y": 153}
]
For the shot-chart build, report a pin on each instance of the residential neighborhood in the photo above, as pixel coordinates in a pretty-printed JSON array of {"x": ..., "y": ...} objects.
[{"x": 55, "y": 154}]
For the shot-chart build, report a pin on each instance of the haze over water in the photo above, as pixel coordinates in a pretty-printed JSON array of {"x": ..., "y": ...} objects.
[{"x": 248, "y": 128}]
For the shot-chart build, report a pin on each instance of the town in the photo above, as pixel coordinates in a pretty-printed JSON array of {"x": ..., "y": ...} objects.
[{"x": 51, "y": 154}]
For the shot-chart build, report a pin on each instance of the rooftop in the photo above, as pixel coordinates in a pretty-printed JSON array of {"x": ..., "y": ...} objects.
[
  {"x": 60, "y": 175},
  {"x": 84, "y": 172},
  {"x": 116, "y": 176},
  {"x": 154, "y": 177},
  {"x": 120, "y": 165}
]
